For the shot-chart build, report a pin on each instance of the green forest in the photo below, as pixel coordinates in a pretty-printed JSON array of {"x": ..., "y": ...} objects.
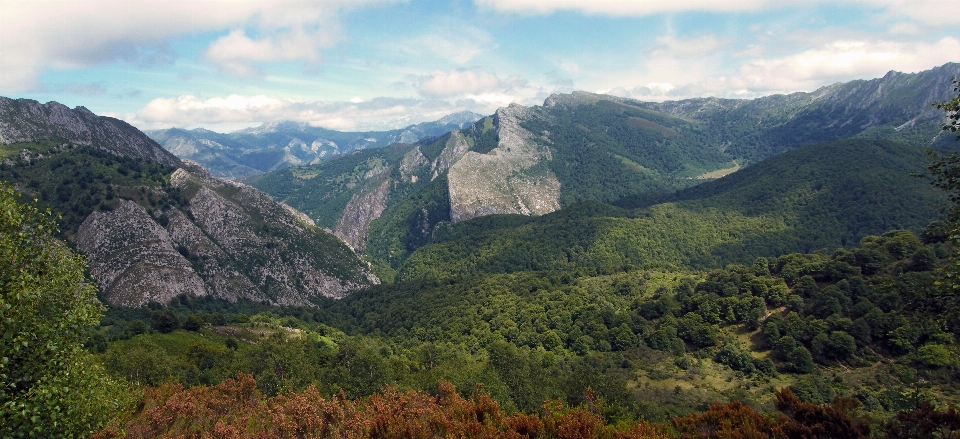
[
  {"x": 811, "y": 295},
  {"x": 860, "y": 327}
]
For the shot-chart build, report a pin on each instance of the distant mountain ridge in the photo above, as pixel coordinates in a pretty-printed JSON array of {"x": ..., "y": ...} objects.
[
  {"x": 276, "y": 145},
  {"x": 153, "y": 227}
]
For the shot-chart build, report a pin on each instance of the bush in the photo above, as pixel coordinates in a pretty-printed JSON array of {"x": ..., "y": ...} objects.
[
  {"x": 165, "y": 321},
  {"x": 935, "y": 355}
]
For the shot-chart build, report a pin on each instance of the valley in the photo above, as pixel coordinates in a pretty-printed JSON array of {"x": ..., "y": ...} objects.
[{"x": 633, "y": 266}]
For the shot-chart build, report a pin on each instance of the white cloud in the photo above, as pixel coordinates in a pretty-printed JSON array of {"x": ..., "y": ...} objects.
[
  {"x": 239, "y": 54},
  {"x": 441, "y": 84},
  {"x": 935, "y": 12},
  {"x": 692, "y": 47},
  {"x": 803, "y": 70},
  {"x": 40, "y": 35},
  {"x": 629, "y": 7},
  {"x": 842, "y": 61},
  {"x": 568, "y": 66},
  {"x": 236, "y": 111},
  {"x": 459, "y": 45}
]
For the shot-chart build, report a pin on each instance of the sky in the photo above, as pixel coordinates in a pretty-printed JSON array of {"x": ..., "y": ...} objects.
[{"x": 356, "y": 65}]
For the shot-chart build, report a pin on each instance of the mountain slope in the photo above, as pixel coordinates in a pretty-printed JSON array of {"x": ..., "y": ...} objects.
[
  {"x": 583, "y": 147},
  {"x": 821, "y": 196},
  {"x": 276, "y": 145},
  {"x": 896, "y": 105},
  {"x": 25, "y": 120},
  {"x": 152, "y": 231}
]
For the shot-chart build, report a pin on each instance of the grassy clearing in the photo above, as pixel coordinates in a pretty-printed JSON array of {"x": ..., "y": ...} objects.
[
  {"x": 720, "y": 172},
  {"x": 649, "y": 124}
]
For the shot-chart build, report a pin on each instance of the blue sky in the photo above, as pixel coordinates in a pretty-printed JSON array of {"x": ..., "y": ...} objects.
[{"x": 382, "y": 64}]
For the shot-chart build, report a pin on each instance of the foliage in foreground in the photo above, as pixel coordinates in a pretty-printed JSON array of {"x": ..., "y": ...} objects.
[
  {"x": 50, "y": 386},
  {"x": 235, "y": 409},
  {"x": 650, "y": 344}
]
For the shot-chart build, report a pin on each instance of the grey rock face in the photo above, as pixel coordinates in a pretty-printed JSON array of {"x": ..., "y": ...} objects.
[
  {"x": 25, "y": 120},
  {"x": 133, "y": 258},
  {"x": 354, "y": 224},
  {"x": 503, "y": 181},
  {"x": 453, "y": 151},
  {"x": 233, "y": 242}
]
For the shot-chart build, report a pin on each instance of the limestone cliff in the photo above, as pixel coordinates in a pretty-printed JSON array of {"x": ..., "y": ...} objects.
[
  {"x": 133, "y": 258},
  {"x": 354, "y": 224},
  {"x": 507, "y": 179},
  {"x": 453, "y": 151},
  {"x": 231, "y": 241}
]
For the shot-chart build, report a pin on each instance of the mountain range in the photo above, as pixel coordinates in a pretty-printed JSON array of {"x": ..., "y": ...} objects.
[
  {"x": 276, "y": 145},
  {"x": 584, "y": 180},
  {"x": 585, "y": 147}
]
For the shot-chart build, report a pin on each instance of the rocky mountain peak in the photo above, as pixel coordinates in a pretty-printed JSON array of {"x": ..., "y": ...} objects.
[{"x": 26, "y": 120}]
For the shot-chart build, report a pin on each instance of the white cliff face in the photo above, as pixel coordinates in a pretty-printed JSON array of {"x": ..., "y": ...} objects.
[{"x": 504, "y": 180}]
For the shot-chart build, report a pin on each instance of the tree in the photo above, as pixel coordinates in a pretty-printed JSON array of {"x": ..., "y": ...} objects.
[
  {"x": 165, "y": 321},
  {"x": 946, "y": 176},
  {"x": 799, "y": 360},
  {"x": 49, "y": 386}
]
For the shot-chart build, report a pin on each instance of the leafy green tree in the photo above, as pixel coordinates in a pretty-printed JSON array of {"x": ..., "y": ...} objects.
[
  {"x": 946, "y": 176},
  {"x": 165, "y": 321},
  {"x": 799, "y": 360},
  {"x": 193, "y": 323},
  {"x": 49, "y": 386}
]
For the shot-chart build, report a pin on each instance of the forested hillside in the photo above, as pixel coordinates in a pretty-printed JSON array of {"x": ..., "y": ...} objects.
[{"x": 817, "y": 197}]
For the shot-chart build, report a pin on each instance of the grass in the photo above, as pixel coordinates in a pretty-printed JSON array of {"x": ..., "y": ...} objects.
[
  {"x": 720, "y": 172},
  {"x": 41, "y": 147},
  {"x": 648, "y": 124}
]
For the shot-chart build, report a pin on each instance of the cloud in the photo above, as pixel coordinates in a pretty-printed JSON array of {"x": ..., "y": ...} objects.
[
  {"x": 241, "y": 111},
  {"x": 935, "y": 12},
  {"x": 669, "y": 46},
  {"x": 459, "y": 45},
  {"x": 841, "y": 61},
  {"x": 803, "y": 70},
  {"x": 629, "y": 8},
  {"x": 442, "y": 84},
  {"x": 90, "y": 89},
  {"x": 239, "y": 54},
  {"x": 36, "y": 36}
]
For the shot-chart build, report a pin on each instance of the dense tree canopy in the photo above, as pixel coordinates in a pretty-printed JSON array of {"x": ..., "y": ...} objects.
[{"x": 50, "y": 386}]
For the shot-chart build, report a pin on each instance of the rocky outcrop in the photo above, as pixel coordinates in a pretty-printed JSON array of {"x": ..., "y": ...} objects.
[
  {"x": 353, "y": 226},
  {"x": 453, "y": 151},
  {"x": 230, "y": 241},
  {"x": 133, "y": 258},
  {"x": 505, "y": 180},
  {"x": 411, "y": 164},
  {"x": 25, "y": 120}
]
